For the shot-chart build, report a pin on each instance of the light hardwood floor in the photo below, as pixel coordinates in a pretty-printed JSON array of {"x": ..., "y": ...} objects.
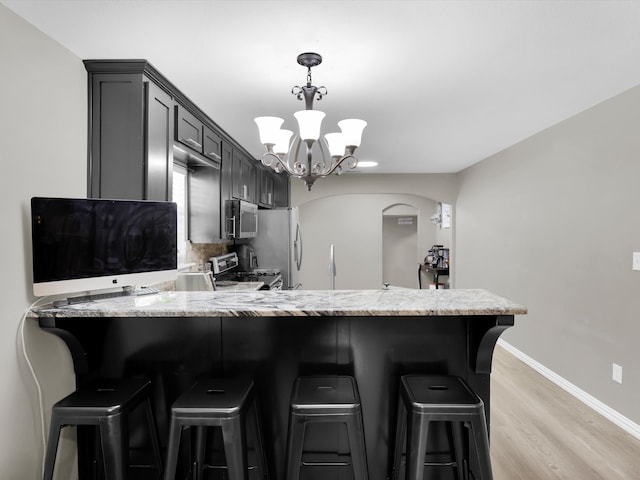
[{"x": 540, "y": 432}]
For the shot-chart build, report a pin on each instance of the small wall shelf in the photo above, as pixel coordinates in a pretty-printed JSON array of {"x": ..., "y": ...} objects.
[{"x": 435, "y": 271}]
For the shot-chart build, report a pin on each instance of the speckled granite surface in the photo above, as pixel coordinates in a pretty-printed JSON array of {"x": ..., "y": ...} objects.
[{"x": 395, "y": 302}]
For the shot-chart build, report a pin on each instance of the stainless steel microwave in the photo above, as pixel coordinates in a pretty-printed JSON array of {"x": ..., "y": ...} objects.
[{"x": 242, "y": 218}]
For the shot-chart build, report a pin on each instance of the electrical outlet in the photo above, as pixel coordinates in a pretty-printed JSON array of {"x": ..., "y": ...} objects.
[
  {"x": 636, "y": 261},
  {"x": 617, "y": 373}
]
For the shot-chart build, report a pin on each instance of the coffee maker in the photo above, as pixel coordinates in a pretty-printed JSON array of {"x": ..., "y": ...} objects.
[{"x": 437, "y": 257}]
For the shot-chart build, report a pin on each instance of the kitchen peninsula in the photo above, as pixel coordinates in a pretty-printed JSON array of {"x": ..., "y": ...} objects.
[{"x": 374, "y": 335}]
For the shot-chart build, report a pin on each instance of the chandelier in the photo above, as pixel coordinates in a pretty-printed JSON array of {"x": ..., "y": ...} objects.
[{"x": 283, "y": 153}]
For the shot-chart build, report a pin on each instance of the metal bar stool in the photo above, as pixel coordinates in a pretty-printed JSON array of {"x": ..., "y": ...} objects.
[
  {"x": 223, "y": 403},
  {"x": 325, "y": 399},
  {"x": 107, "y": 405},
  {"x": 440, "y": 398}
]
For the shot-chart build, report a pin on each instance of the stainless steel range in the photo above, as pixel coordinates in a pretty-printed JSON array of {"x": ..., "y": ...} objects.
[{"x": 225, "y": 270}]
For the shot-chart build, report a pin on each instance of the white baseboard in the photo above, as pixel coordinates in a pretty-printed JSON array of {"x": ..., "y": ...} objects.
[{"x": 592, "y": 402}]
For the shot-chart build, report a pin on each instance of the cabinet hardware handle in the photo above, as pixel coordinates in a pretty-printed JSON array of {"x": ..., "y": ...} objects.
[
  {"x": 191, "y": 142},
  {"x": 232, "y": 232},
  {"x": 214, "y": 155}
]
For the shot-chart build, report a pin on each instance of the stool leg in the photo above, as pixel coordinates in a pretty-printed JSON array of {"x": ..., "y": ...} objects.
[
  {"x": 401, "y": 432},
  {"x": 115, "y": 446},
  {"x": 259, "y": 443},
  {"x": 355, "y": 431},
  {"x": 458, "y": 448},
  {"x": 153, "y": 433},
  {"x": 90, "y": 458},
  {"x": 175, "y": 430},
  {"x": 52, "y": 447},
  {"x": 199, "y": 436},
  {"x": 294, "y": 446},
  {"x": 481, "y": 444},
  {"x": 235, "y": 447},
  {"x": 418, "y": 432}
]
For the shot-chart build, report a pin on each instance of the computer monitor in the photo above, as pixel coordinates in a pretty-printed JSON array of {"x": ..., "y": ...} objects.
[{"x": 96, "y": 244}]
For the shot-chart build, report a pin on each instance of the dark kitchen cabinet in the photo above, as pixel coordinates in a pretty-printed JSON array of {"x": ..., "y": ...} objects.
[
  {"x": 281, "y": 190},
  {"x": 273, "y": 188},
  {"x": 140, "y": 124},
  {"x": 188, "y": 129},
  {"x": 265, "y": 186},
  {"x": 225, "y": 186},
  {"x": 212, "y": 144},
  {"x": 202, "y": 156},
  {"x": 130, "y": 133},
  {"x": 243, "y": 177},
  {"x": 194, "y": 134}
]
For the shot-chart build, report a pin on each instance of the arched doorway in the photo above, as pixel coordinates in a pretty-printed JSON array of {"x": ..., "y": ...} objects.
[{"x": 400, "y": 245}]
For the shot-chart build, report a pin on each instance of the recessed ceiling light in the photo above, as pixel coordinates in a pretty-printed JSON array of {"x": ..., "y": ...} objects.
[{"x": 367, "y": 164}]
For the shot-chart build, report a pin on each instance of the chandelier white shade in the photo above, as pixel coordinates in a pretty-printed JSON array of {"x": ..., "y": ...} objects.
[
  {"x": 309, "y": 123},
  {"x": 352, "y": 131},
  {"x": 282, "y": 142},
  {"x": 268, "y": 128},
  {"x": 282, "y": 152},
  {"x": 335, "y": 142}
]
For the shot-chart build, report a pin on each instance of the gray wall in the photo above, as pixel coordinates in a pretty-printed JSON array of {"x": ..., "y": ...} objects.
[
  {"x": 43, "y": 130},
  {"x": 551, "y": 223}
]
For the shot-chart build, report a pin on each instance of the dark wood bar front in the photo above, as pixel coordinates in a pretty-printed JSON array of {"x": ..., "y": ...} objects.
[{"x": 375, "y": 336}]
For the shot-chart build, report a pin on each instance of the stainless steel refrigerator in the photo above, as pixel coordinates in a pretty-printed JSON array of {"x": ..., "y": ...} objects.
[{"x": 278, "y": 244}]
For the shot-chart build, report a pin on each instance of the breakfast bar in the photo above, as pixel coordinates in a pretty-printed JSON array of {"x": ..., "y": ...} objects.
[{"x": 373, "y": 335}]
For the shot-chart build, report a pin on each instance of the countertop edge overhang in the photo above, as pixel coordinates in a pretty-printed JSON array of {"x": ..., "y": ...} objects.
[{"x": 288, "y": 303}]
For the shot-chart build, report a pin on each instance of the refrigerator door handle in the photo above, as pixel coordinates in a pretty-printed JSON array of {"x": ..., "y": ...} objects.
[
  {"x": 297, "y": 246},
  {"x": 332, "y": 268}
]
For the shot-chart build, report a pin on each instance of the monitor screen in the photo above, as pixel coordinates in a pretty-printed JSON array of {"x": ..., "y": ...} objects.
[{"x": 93, "y": 244}]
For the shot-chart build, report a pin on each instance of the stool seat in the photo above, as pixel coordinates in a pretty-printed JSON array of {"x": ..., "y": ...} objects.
[
  {"x": 104, "y": 398},
  {"x": 105, "y": 404},
  {"x": 441, "y": 398},
  {"x": 224, "y": 403},
  {"x": 219, "y": 398},
  {"x": 434, "y": 394},
  {"x": 325, "y": 395},
  {"x": 325, "y": 399}
]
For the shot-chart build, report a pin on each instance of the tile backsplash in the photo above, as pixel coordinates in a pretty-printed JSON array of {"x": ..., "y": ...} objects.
[{"x": 199, "y": 253}]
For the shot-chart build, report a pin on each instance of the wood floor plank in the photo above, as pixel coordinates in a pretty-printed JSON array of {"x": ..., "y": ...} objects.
[{"x": 541, "y": 432}]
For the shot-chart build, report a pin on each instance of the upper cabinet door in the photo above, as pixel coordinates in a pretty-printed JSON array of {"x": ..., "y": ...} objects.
[
  {"x": 265, "y": 186},
  {"x": 212, "y": 144},
  {"x": 281, "y": 190},
  {"x": 159, "y": 143},
  {"x": 131, "y": 137},
  {"x": 243, "y": 173},
  {"x": 188, "y": 129}
]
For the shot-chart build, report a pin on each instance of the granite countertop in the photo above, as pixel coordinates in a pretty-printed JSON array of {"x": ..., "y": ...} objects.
[{"x": 305, "y": 303}]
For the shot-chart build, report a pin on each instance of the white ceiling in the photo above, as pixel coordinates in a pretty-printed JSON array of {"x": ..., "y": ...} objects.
[{"x": 442, "y": 84}]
